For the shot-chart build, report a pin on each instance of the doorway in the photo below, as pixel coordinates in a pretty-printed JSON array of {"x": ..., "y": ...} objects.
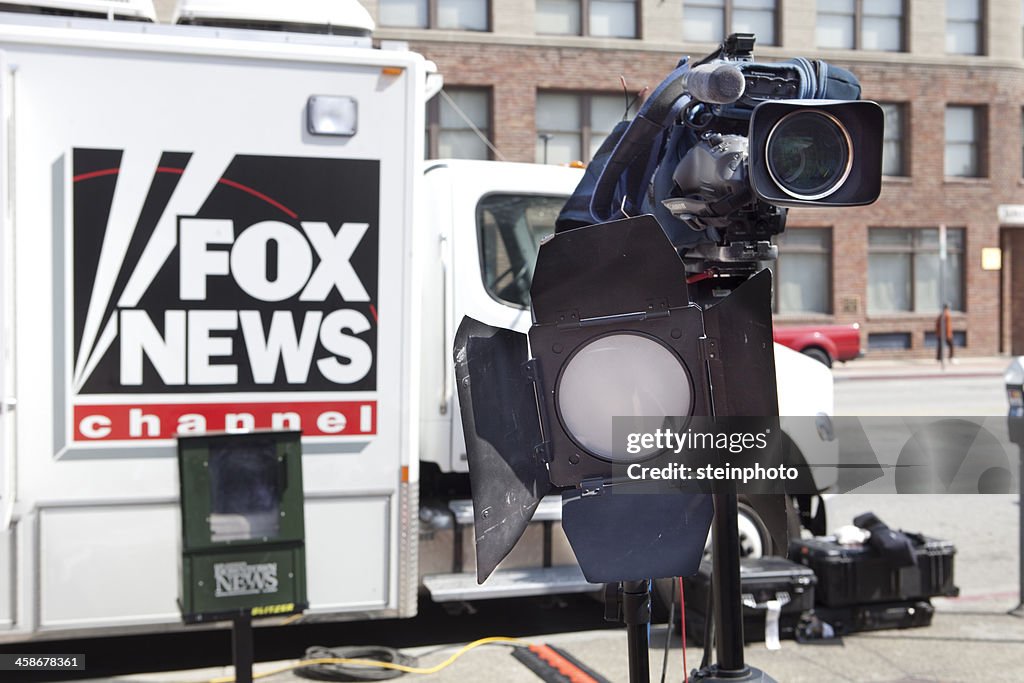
[{"x": 1011, "y": 309}]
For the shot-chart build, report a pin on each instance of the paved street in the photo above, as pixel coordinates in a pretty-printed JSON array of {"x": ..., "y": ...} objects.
[{"x": 971, "y": 387}]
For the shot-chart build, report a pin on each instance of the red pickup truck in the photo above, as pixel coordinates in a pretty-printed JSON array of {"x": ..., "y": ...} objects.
[{"x": 825, "y": 343}]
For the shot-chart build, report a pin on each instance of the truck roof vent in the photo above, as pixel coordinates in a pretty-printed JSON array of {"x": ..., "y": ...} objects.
[
  {"x": 127, "y": 10},
  {"x": 334, "y": 17}
]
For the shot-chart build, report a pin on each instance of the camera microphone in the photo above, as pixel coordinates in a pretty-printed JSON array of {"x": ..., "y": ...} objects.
[{"x": 715, "y": 83}]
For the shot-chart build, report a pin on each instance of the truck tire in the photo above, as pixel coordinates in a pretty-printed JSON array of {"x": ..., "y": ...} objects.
[{"x": 818, "y": 354}]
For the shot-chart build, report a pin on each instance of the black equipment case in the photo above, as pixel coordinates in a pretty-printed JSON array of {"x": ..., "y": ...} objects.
[
  {"x": 761, "y": 579},
  {"x": 876, "y": 616},
  {"x": 859, "y": 574}
]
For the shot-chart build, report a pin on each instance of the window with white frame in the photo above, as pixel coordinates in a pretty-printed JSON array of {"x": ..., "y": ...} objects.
[
  {"x": 904, "y": 266},
  {"x": 965, "y": 132},
  {"x": 964, "y": 27},
  {"x": 803, "y": 272},
  {"x": 459, "y": 124},
  {"x": 572, "y": 126},
  {"x": 462, "y": 15},
  {"x": 599, "y": 18},
  {"x": 894, "y": 140},
  {"x": 861, "y": 24},
  {"x": 709, "y": 21}
]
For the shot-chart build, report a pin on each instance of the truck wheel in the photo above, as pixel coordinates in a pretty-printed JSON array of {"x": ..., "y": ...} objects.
[
  {"x": 820, "y": 355},
  {"x": 755, "y": 541}
]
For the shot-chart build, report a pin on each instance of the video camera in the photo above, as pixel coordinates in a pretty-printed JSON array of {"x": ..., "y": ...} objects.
[{"x": 734, "y": 143}]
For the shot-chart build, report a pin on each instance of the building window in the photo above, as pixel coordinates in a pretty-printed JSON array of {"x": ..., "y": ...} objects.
[
  {"x": 600, "y": 18},
  {"x": 803, "y": 273},
  {"x": 904, "y": 266},
  {"x": 964, "y": 141},
  {"x": 571, "y": 126},
  {"x": 964, "y": 27},
  {"x": 888, "y": 341},
  {"x": 461, "y": 15},
  {"x": 894, "y": 140},
  {"x": 861, "y": 24},
  {"x": 709, "y": 21},
  {"x": 459, "y": 124},
  {"x": 959, "y": 339}
]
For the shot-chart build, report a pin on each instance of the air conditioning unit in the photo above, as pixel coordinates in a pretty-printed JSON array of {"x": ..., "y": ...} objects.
[
  {"x": 336, "y": 17},
  {"x": 127, "y": 10}
]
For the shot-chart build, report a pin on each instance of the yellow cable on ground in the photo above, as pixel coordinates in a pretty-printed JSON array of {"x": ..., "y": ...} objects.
[{"x": 385, "y": 665}]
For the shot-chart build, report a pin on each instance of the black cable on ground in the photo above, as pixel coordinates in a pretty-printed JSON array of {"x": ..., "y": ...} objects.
[{"x": 350, "y": 672}]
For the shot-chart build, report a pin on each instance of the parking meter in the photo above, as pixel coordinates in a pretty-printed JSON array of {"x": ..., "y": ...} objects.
[
  {"x": 1015, "y": 425},
  {"x": 243, "y": 538},
  {"x": 1015, "y": 395}
]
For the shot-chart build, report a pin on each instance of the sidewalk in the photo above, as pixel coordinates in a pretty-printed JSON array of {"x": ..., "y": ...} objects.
[
  {"x": 959, "y": 646},
  {"x": 920, "y": 368}
]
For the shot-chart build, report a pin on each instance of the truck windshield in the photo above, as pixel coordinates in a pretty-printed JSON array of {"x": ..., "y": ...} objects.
[{"x": 511, "y": 227}]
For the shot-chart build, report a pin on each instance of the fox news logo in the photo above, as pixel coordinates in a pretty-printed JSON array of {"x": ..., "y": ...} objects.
[
  {"x": 193, "y": 276},
  {"x": 239, "y": 277}
]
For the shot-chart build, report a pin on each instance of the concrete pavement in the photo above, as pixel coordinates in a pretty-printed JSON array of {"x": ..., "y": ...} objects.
[
  {"x": 971, "y": 638},
  {"x": 959, "y": 646},
  {"x": 920, "y": 368}
]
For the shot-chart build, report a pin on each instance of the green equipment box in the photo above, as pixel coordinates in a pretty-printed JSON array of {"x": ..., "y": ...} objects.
[{"x": 243, "y": 540}]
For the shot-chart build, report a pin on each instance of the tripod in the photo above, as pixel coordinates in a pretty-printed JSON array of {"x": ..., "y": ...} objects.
[{"x": 633, "y": 606}]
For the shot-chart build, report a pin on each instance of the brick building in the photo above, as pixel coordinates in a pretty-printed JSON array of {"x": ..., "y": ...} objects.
[{"x": 542, "y": 78}]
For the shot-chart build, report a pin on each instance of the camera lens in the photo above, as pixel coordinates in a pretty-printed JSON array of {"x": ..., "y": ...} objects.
[{"x": 809, "y": 154}]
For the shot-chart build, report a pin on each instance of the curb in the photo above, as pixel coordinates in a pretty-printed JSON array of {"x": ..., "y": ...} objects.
[{"x": 922, "y": 375}]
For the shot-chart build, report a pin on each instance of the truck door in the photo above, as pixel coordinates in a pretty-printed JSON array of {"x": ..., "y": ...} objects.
[
  {"x": 507, "y": 209},
  {"x": 501, "y": 212}
]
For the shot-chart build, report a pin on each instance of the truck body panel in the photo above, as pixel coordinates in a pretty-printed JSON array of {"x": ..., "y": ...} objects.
[{"x": 187, "y": 256}]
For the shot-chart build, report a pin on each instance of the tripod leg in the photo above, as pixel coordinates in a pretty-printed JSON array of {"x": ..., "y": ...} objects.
[
  {"x": 728, "y": 600},
  {"x": 636, "y": 612},
  {"x": 727, "y": 595}
]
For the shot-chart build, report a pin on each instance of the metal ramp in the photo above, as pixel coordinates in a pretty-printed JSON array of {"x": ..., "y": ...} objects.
[
  {"x": 548, "y": 510},
  {"x": 509, "y": 583}
]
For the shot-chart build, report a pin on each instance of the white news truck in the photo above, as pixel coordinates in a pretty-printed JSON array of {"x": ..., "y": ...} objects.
[{"x": 224, "y": 225}]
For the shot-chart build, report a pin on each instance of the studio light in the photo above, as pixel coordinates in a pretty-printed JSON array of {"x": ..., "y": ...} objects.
[{"x": 615, "y": 335}]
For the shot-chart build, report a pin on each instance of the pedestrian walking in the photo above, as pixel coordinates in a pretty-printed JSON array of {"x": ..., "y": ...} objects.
[{"x": 943, "y": 333}]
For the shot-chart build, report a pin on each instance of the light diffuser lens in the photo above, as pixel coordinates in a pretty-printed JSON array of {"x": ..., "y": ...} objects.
[{"x": 619, "y": 375}]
